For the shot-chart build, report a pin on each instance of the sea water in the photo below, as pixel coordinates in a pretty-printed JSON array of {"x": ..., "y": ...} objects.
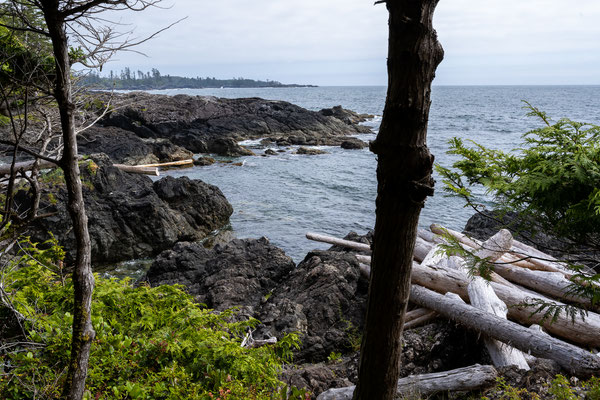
[{"x": 284, "y": 196}]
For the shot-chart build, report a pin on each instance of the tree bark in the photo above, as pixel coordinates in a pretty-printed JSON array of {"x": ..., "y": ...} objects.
[
  {"x": 404, "y": 182},
  {"x": 83, "y": 278}
]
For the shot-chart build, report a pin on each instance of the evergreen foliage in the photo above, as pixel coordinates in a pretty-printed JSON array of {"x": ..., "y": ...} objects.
[
  {"x": 151, "y": 343},
  {"x": 553, "y": 179},
  {"x": 139, "y": 80}
]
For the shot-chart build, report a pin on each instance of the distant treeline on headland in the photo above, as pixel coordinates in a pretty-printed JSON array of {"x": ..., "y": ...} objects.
[{"x": 128, "y": 79}]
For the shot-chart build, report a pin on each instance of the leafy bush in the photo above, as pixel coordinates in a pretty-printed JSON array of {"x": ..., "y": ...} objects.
[{"x": 151, "y": 343}]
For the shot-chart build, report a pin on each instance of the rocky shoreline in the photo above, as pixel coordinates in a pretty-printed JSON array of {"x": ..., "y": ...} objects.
[
  {"x": 323, "y": 298},
  {"x": 146, "y": 128}
]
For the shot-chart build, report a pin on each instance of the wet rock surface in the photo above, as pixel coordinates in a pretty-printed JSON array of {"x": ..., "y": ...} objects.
[{"x": 130, "y": 216}]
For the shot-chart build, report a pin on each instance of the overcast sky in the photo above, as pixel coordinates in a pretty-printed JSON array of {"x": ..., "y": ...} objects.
[{"x": 344, "y": 42}]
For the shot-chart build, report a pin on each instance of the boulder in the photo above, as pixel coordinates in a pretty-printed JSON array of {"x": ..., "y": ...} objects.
[
  {"x": 348, "y": 116},
  {"x": 227, "y": 147},
  {"x": 353, "y": 144},
  {"x": 242, "y": 272},
  {"x": 130, "y": 216},
  {"x": 309, "y": 151},
  {"x": 204, "y": 161}
]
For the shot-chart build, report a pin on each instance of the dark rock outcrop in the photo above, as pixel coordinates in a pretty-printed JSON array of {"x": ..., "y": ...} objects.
[
  {"x": 132, "y": 217},
  {"x": 309, "y": 151},
  {"x": 122, "y": 146},
  {"x": 125, "y": 147},
  {"x": 227, "y": 147},
  {"x": 197, "y": 122},
  {"x": 353, "y": 144},
  {"x": 241, "y": 272},
  {"x": 324, "y": 299},
  {"x": 348, "y": 116}
]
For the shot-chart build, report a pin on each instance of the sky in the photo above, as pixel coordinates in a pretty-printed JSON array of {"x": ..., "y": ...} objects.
[{"x": 344, "y": 42}]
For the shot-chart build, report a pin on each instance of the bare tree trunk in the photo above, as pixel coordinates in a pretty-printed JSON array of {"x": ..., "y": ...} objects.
[
  {"x": 83, "y": 278},
  {"x": 404, "y": 182}
]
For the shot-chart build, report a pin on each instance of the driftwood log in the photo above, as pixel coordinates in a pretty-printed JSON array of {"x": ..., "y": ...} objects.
[
  {"x": 442, "y": 279},
  {"x": 574, "y": 359},
  {"x": 461, "y": 379},
  {"x": 43, "y": 164},
  {"x": 340, "y": 242},
  {"x": 482, "y": 296}
]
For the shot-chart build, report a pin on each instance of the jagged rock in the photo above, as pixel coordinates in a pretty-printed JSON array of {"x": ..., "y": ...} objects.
[
  {"x": 310, "y": 152},
  {"x": 120, "y": 145},
  {"x": 195, "y": 122},
  {"x": 167, "y": 151},
  {"x": 353, "y": 144},
  {"x": 129, "y": 215},
  {"x": 324, "y": 299},
  {"x": 241, "y": 272},
  {"x": 227, "y": 147},
  {"x": 348, "y": 116},
  {"x": 270, "y": 152},
  {"x": 125, "y": 147},
  {"x": 204, "y": 161}
]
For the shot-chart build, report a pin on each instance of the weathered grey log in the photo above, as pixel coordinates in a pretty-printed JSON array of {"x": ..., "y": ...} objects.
[
  {"x": 340, "y": 242},
  {"x": 188, "y": 162},
  {"x": 420, "y": 321},
  {"x": 43, "y": 164},
  {"x": 460, "y": 379},
  {"x": 5, "y": 169},
  {"x": 133, "y": 169},
  {"x": 554, "y": 284},
  {"x": 483, "y": 297},
  {"x": 523, "y": 255},
  {"x": 443, "y": 280},
  {"x": 574, "y": 359},
  {"x": 416, "y": 313}
]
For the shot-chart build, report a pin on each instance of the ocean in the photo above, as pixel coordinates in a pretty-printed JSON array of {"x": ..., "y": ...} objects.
[{"x": 284, "y": 196}]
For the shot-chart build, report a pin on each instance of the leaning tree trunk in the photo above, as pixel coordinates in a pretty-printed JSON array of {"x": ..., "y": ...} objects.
[
  {"x": 404, "y": 182},
  {"x": 83, "y": 278}
]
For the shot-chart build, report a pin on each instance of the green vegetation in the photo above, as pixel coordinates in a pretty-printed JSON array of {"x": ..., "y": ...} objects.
[
  {"x": 138, "y": 80},
  {"x": 151, "y": 343},
  {"x": 554, "y": 178}
]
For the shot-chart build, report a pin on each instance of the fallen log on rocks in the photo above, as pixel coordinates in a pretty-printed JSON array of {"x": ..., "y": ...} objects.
[
  {"x": 340, "y": 242},
  {"x": 188, "y": 162},
  {"x": 482, "y": 296},
  {"x": 522, "y": 255},
  {"x": 461, "y": 379},
  {"x": 136, "y": 169},
  {"x": 43, "y": 164},
  {"x": 574, "y": 359},
  {"x": 581, "y": 331},
  {"x": 420, "y": 321}
]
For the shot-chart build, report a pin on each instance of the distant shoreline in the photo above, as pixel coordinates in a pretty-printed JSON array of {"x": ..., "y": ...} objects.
[{"x": 129, "y": 80}]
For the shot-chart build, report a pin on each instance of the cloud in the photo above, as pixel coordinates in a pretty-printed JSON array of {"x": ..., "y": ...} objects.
[{"x": 484, "y": 39}]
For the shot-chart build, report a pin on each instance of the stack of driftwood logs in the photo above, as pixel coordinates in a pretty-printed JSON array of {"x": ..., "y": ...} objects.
[{"x": 505, "y": 309}]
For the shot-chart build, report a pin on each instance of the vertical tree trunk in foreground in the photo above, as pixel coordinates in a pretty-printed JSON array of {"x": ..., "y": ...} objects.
[
  {"x": 83, "y": 278},
  {"x": 404, "y": 182}
]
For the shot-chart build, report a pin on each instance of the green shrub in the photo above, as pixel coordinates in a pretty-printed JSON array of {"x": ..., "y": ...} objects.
[{"x": 151, "y": 343}]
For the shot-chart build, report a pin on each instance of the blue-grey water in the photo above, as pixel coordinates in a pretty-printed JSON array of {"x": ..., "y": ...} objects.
[{"x": 282, "y": 197}]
